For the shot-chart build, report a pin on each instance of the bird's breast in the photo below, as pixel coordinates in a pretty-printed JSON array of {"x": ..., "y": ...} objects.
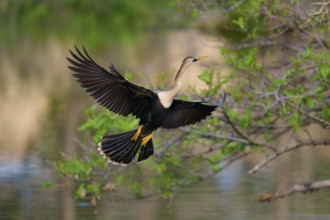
[{"x": 165, "y": 98}]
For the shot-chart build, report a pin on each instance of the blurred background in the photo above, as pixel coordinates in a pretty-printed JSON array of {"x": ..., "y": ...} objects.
[{"x": 42, "y": 106}]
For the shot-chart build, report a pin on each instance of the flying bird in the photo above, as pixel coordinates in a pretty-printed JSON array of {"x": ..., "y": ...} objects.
[{"x": 153, "y": 109}]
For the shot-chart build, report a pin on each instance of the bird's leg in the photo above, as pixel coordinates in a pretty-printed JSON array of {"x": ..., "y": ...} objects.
[
  {"x": 137, "y": 134},
  {"x": 147, "y": 138}
]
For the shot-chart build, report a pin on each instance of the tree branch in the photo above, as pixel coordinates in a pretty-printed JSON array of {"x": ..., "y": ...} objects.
[
  {"x": 303, "y": 188},
  {"x": 285, "y": 149},
  {"x": 236, "y": 130},
  {"x": 220, "y": 137}
]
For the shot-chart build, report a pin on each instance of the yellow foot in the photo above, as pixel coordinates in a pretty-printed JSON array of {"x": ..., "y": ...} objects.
[
  {"x": 137, "y": 134},
  {"x": 147, "y": 138}
]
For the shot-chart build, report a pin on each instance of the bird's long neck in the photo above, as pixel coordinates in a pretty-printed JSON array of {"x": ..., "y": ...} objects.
[
  {"x": 166, "y": 97},
  {"x": 174, "y": 89}
]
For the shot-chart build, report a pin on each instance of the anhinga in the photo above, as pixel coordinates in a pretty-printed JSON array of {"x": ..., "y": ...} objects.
[{"x": 154, "y": 109}]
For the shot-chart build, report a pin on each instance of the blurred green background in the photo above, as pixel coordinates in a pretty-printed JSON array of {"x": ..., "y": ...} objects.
[{"x": 42, "y": 107}]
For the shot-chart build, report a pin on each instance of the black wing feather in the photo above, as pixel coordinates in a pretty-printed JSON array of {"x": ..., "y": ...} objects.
[
  {"x": 110, "y": 89},
  {"x": 182, "y": 113}
]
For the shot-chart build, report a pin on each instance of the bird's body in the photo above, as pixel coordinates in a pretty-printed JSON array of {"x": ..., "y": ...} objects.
[
  {"x": 154, "y": 110},
  {"x": 153, "y": 118}
]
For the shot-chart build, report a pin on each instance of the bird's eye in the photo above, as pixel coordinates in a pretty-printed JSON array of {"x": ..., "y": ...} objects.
[{"x": 194, "y": 59}]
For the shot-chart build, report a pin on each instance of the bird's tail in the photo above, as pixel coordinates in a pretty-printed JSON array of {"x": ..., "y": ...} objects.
[{"x": 122, "y": 148}]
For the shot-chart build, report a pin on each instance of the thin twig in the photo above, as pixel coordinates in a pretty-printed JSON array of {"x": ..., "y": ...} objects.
[
  {"x": 302, "y": 188},
  {"x": 170, "y": 143},
  {"x": 220, "y": 137},
  {"x": 234, "y": 6},
  {"x": 233, "y": 157},
  {"x": 238, "y": 132}
]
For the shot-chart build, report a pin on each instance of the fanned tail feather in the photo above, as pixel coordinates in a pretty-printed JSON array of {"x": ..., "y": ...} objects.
[
  {"x": 146, "y": 151},
  {"x": 121, "y": 149}
]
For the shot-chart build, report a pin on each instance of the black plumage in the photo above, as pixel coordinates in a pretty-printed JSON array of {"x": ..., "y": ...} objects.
[{"x": 111, "y": 90}]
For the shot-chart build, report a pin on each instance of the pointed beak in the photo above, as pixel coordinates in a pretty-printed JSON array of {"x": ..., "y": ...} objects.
[{"x": 201, "y": 58}]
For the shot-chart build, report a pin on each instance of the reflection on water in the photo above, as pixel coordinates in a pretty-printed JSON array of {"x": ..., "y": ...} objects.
[
  {"x": 41, "y": 114},
  {"x": 228, "y": 195}
]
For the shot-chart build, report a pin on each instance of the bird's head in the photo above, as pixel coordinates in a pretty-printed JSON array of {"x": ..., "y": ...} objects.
[
  {"x": 186, "y": 62},
  {"x": 192, "y": 59}
]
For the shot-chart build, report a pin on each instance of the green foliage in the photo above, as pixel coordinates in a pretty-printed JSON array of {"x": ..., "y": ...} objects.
[
  {"x": 206, "y": 76},
  {"x": 243, "y": 23},
  {"x": 86, "y": 189},
  {"x": 82, "y": 173},
  {"x": 47, "y": 185},
  {"x": 134, "y": 182},
  {"x": 240, "y": 22},
  {"x": 213, "y": 84},
  {"x": 77, "y": 167},
  {"x": 216, "y": 158},
  {"x": 95, "y": 22},
  {"x": 171, "y": 172},
  {"x": 103, "y": 122}
]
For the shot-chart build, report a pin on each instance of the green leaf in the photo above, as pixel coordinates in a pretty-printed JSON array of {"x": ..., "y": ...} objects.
[
  {"x": 240, "y": 22},
  {"x": 47, "y": 185},
  {"x": 137, "y": 189},
  {"x": 216, "y": 168},
  {"x": 81, "y": 191},
  {"x": 326, "y": 113},
  {"x": 194, "y": 13},
  {"x": 119, "y": 179},
  {"x": 215, "y": 159},
  {"x": 308, "y": 52},
  {"x": 94, "y": 188},
  {"x": 325, "y": 72},
  {"x": 295, "y": 120},
  {"x": 206, "y": 76}
]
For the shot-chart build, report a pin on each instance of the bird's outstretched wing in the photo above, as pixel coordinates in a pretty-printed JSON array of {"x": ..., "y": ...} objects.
[
  {"x": 110, "y": 89},
  {"x": 182, "y": 113}
]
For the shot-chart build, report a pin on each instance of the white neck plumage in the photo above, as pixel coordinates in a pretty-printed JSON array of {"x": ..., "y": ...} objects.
[{"x": 166, "y": 97}]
